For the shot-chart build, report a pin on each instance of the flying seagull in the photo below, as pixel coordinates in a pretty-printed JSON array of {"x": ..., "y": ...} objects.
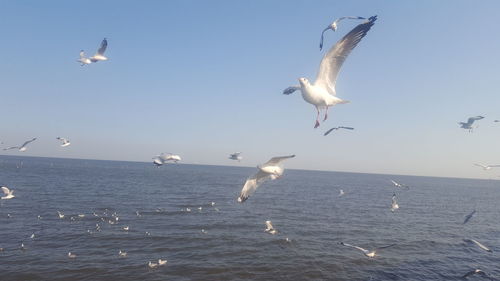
[
  {"x": 99, "y": 56},
  {"x": 235, "y": 156},
  {"x": 83, "y": 60},
  {"x": 475, "y": 271},
  {"x": 322, "y": 93},
  {"x": 470, "y": 121},
  {"x": 399, "y": 185},
  {"x": 469, "y": 216},
  {"x": 22, "y": 147},
  {"x": 270, "y": 170},
  {"x": 394, "y": 204},
  {"x": 333, "y": 26},
  {"x": 269, "y": 228},
  {"x": 370, "y": 254},
  {"x": 65, "y": 142},
  {"x": 486, "y": 167},
  {"x": 478, "y": 244},
  {"x": 336, "y": 128},
  {"x": 9, "y": 194},
  {"x": 163, "y": 158}
]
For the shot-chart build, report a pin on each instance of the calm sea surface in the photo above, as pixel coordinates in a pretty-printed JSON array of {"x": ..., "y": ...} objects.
[{"x": 303, "y": 205}]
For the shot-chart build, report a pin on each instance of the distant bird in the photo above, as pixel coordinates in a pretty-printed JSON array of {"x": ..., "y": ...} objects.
[
  {"x": 486, "y": 167},
  {"x": 99, "y": 56},
  {"x": 9, "y": 194},
  {"x": 475, "y": 271},
  {"x": 470, "y": 121},
  {"x": 469, "y": 216},
  {"x": 22, "y": 147},
  {"x": 341, "y": 193},
  {"x": 478, "y": 244},
  {"x": 269, "y": 228},
  {"x": 235, "y": 156},
  {"x": 64, "y": 141},
  {"x": 333, "y": 26},
  {"x": 212, "y": 203},
  {"x": 122, "y": 254},
  {"x": 396, "y": 184},
  {"x": 71, "y": 256},
  {"x": 152, "y": 265},
  {"x": 370, "y": 254},
  {"x": 322, "y": 93},
  {"x": 336, "y": 128},
  {"x": 203, "y": 231},
  {"x": 164, "y": 158},
  {"x": 61, "y": 215},
  {"x": 162, "y": 262},
  {"x": 32, "y": 236},
  {"x": 270, "y": 170},
  {"x": 394, "y": 204},
  {"x": 188, "y": 209},
  {"x": 23, "y": 247},
  {"x": 126, "y": 228},
  {"x": 83, "y": 60}
]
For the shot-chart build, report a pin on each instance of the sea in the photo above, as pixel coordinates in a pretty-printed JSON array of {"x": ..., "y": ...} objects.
[{"x": 226, "y": 240}]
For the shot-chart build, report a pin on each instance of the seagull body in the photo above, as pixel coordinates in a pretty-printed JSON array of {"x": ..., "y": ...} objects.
[
  {"x": 341, "y": 193},
  {"x": 164, "y": 158},
  {"x": 322, "y": 93},
  {"x": 469, "y": 216},
  {"x": 83, "y": 60},
  {"x": 336, "y": 128},
  {"x": 468, "y": 125},
  {"x": 333, "y": 26},
  {"x": 394, "y": 205},
  {"x": 122, "y": 254},
  {"x": 399, "y": 185},
  {"x": 152, "y": 265},
  {"x": 269, "y": 228},
  {"x": 61, "y": 215},
  {"x": 126, "y": 228},
  {"x": 235, "y": 156},
  {"x": 270, "y": 170},
  {"x": 370, "y": 254},
  {"x": 162, "y": 262},
  {"x": 22, "y": 147},
  {"x": 478, "y": 244},
  {"x": 9, "y": 194},
  {"x": 486, "y": 167},
  {"x": 99, "y": 56},
  {"x": 64, "y": 141},
  {"x": 71, "y": 256},
  {"x": 475, "y": 271}
]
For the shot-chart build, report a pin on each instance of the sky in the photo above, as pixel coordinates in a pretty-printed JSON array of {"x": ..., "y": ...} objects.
[{"x": 203, "y": 79}]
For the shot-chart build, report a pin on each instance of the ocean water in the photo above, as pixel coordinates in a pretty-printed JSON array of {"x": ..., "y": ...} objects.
[{"x": 303, "y": 205}]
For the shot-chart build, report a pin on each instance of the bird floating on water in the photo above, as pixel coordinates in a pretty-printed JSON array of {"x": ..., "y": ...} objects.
[
  {"x": 71, "y": 255},
  {"x": 22, "y": 147},
  {"x": 236, "y": 156},
  {"x": 65, "y": 142},
  {"x": 370, "y": 254},
  {"x": 334, "y": 25},
  {"x": 270, "y": 170},
  {"x": 336, "y": 128},
  {"x": 468, "y": 125},
  {"x": 394, "y": 204},
  {"x": 478, "y": 244},
  {"x": 322, "y": 93},
  {"x": 341, "y": 193},
  {"x": 269, "y": 228},
  {"x": 99, "y": 56},
  {"x": 9, "y": 194},
  {"x": 475, "y": 271},
  {"x": 122, "y": 254},
  {"x": 61, "y": 215},
  {"x": 469, "y": 216},
  {"x": 486, "y": 167}
]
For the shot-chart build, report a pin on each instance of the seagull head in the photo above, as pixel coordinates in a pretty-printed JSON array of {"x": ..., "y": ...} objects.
[{"x": 303, "y": 81}]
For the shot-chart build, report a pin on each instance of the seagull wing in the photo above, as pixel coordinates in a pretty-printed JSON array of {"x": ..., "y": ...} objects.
[
  {"x": 329, "y": 131},
  {"x": 11, "y": 147},
  {"x": 269, "y": 225},
  {"x": 383, "y": 247},
  {"x": 472, "y": 272},
  {"x": 481, "y": 245},
  {"x": 479, "y": 165},
  {"x": 335, "y": 57},
  {"x": 251, "y": 185},
  {"x": 322, "y": 36},
  {"x": 355, "y": 247},
  {"x": 347, "y": 128},
  {"x": 27, "y": 142},
  {"x": 290, "y": 90},
  {"x": 395, "y": 183},
  {"x": 102, "y": 48},
  {"x": 5, "y": 190},
  {"x": 277, "y": 160}
]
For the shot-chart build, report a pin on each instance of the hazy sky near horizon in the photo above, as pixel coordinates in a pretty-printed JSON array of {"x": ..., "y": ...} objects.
[{"x": 204, "y": 78}]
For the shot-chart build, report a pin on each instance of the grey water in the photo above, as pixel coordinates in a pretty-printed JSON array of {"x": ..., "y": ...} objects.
[{"x": 304, "y": 207}]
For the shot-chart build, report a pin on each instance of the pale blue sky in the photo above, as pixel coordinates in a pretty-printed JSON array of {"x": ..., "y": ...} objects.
[{"x": 204, "y": 79}]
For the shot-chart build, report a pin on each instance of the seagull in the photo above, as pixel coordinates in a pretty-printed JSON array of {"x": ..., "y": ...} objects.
[
  {"x": 400, "y": 185},
  {"x": 71, "y": 256},
  {"x": 469, "y": 216},
  {"x": 269, "y": 228},
  {"x": 22, "y": 147},
  {"x": 394, "y": 205},
  {"x": 203, "y": 231},
  {"x": 370, "y": 254},
  {"x": 272, "y": 169},
  {"x": 99, "y": 56},
  {"x": 188, "y": 209},
  {"x": 126, "y": 228},
  {"x": 23, "y": 247},
  {"x": 486, "y": 167},
  {"x": 212, "y": 203},
  {"x": 162, "y": 262},
  {"x": 122, "y": 254},
  {"x": 336, "y": 128},
  {"x": 32, "y": 236},
  {"x": 341, "y": 193},
  {"x": 165, "y": 157},
  {"x": 152, "y": 265},
  {"x": 83, "y": 60},
  {"x": 479, "y": 244},
  {"x": 61, "y": 215},
  {"x": 322, "y": 93},
  {"x": 475, "y": 271},
  {"x": 333, "y": 26},
  {"x": 468, "y": 125},
  {"x": 235, "y": 156},
  {"x": 65, "y": 142},
  {"x": 9, "y": 194}
]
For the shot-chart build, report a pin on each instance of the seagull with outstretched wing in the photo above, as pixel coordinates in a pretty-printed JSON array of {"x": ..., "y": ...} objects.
[
  {"x": 475, "y": 271},
  {"x": 370, "y": 254},
  {"x": 9, "y": 193},
  {"x": 468, "y": 125},
  {"x": 337, "y": 128},
  {"x": 486, "y": 167},
  {"x": 65, "y": 142},
  {"x": 22, "y": 147},
  {"x": 333, "y": 26}
]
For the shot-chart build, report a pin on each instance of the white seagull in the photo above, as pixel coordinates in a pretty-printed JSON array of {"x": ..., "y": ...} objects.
[
  {"x": 475, "y": 271},
  {"x": 270, "y": 170},
  {"x": 486, "y": 167},
  {"x": 99, "y": 56},
  {"x": 61, "y": 215},
  {"x": 9, "y": 194},
  {"x": 22, "y": 147},
  {"x": 71, "y": 256},
  {"x": 65, "y": 142},
  {"x": 370, "y": 254},
  {"x": 83, "y": 60},
  {"x": 235, "y": 156},
  {"x": 162, "y": 262},
  {"x": 341, "y": 193},
  {"x": 469, "y": 216},
  {"x": 468, "y": 125},
  {"x": 394, "y": 205},
  {"x": 337, "y": 128},
  {"x": 163, "y": 158},
  {"x": 333, "y": 26},
  {"x": 122, "y": 254},
  {"x": 478, "y": 244},
  {"x": 400, "y": 185},
  {"x": 269, "y": 228},
  {"x": 322, "y": 93}
]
